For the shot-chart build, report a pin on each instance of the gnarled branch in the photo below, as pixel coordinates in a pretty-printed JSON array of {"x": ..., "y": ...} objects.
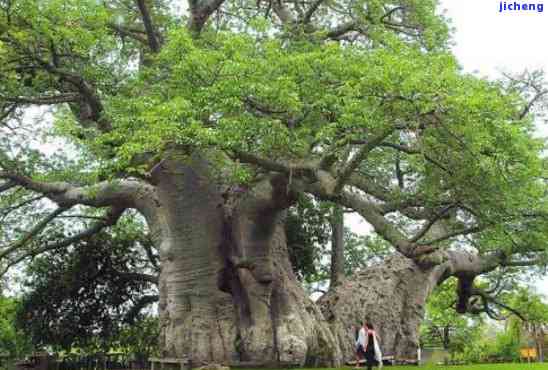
[
  {"x": 360, "y": 156},
  {"x": 200, "y": 11},
  {"x": 43, "y": 100},
  {"x": 139, "y": 305},
  {"x": 110, "y": 219},
  {"x": 7, "y": 186},
  {"x": 32, "y": 233}
]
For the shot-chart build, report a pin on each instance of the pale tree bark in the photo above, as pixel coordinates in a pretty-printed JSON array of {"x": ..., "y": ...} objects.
[
  {"x": 227, "y": 290},
  {"x": 392, "y": 296}
]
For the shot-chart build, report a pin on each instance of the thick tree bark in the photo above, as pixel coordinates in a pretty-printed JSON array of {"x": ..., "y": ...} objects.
[
  {"x": 227, "y": 290},
  {"x": 392, "y": 296}
]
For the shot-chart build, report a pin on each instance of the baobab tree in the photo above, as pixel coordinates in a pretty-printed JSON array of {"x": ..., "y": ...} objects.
[{"x": 211, "y": 124}]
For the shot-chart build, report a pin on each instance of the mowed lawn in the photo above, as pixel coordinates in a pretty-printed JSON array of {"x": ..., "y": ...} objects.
[{"x": 509, "y": 366}]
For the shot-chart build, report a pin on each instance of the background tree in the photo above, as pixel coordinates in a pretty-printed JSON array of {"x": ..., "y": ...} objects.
[
  {"x": 12, "y": 341},
  {"x": 86, "y": 296},
  {"x": 534, "y": 321},
  {"x": 140, "y": 339},
  {"x": 308, "y": 232},
  {"x": 519, "y": 315},
  {"x": 443, "y": 326},
  {"x": 212, "y": 124}
]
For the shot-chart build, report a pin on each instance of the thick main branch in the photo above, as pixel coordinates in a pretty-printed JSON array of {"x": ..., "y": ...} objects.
[{"x": 121, "y": 193}]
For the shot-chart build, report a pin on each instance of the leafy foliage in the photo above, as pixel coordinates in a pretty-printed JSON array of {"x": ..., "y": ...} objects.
[
  {"x": 140, "y": 339},
  {"x": 83, "y": 297},
  {"x": 472, "y": 338},
  {"x": 12, "y": 341},
  {"x": 288, "y": 94},
  {"x": 308, "y": 232},
  {"x": 530, "y": 304},
  {"x": 444, "y": 327},
  {"x": 361, "y": 251}
]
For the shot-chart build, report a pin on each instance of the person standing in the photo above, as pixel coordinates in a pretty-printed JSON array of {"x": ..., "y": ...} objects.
[
  {"x": 361, "y": 335},
  {"x": 373, "y": 355}
]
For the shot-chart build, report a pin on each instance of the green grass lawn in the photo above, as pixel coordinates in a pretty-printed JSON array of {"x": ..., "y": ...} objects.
[{"x": 510, "y": 366}]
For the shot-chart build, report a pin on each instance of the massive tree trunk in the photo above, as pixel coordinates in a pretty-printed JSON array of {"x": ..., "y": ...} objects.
[
  {"x": 227, "y": 289},
  {"x": 391, "y": 296}
]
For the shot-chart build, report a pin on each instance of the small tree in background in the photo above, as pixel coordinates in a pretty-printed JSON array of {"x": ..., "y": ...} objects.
[
  {"x": 12, "y": 341},
  {"x": 444, "y": 327},
  {"x": 140, "y": 340},
  {"x": 534, "y": 323},
  {"x": 87, "y": 296}
]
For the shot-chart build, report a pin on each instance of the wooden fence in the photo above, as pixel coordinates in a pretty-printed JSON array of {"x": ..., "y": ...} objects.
[{"x": 81, "y": 362}]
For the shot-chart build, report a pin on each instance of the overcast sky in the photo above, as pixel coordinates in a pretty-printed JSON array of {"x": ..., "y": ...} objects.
[{"x": 488, "y": 41}]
